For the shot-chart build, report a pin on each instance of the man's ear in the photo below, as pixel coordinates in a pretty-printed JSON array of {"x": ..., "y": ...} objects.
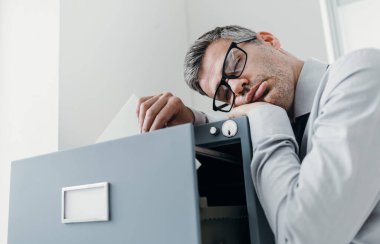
[{"x": 269, "y": 39}]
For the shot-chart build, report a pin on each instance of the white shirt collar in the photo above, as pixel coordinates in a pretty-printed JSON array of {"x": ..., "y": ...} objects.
[{"x": 307, "y": 85}]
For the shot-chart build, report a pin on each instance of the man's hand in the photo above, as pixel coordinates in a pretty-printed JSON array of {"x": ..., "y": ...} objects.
[
  {"x": 244, "y": 109},
  {"x": 156, "y": 112}
]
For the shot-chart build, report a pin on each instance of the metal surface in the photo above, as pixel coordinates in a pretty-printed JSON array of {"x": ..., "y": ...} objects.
[
  {"x": 214, "y": 130},
  {"x": 224, "y": 157},
  {"x": 229, "y": 128},
  {"x": 259, "y": 229},
  {"x": 153, "y": 192},
  {"x": 89, "y": 207}
]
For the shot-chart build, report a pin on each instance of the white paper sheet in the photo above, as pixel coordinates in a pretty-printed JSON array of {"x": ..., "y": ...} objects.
[{"x": 125, "y": 124}]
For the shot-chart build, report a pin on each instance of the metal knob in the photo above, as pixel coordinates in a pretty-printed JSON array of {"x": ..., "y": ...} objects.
[
  {"x": 229, "y": 128},
  {"x": 214, "y": 131}
]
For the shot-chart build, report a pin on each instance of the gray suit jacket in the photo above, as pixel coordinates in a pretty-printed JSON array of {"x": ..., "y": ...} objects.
[{"x": 328, "y": 191}]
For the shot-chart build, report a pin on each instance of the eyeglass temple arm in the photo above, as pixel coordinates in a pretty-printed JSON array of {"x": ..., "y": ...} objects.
[{"x": 248, "y": 40}]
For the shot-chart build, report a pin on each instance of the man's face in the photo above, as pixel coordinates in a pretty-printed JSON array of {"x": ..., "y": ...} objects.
[{"x": 264, "y": 63}]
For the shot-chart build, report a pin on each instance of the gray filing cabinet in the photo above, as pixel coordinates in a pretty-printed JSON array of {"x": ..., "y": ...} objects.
[
  {"x": 232, "y": 212},
  {"x": 155, "y": 193}
]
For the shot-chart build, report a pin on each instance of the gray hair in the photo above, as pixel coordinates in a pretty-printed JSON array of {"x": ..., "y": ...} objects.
[{"x": 194, "y": 56}]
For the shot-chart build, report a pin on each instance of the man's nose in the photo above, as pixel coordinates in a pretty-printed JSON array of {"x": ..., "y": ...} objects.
[{"x": 237, "y": 85}]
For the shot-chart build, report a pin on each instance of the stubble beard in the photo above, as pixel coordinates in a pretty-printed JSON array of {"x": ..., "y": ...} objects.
[
  {"x": 280, "y": 90},
  {"x": 275, "y": 70}
]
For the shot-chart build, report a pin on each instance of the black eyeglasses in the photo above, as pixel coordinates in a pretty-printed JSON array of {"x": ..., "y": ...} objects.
[{"x": 233, "y": 67}]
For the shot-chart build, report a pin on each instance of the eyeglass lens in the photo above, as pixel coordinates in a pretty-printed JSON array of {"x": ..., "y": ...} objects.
[
  {"x": 234, "y": 63},
  {"x": 224, "y": 94},
  {"x": 232, "y": 68},
  {"x": 224, "y": 106}
]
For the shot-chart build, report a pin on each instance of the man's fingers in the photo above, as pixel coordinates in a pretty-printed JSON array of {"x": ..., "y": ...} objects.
[
  {"x": 144, "y": 107},
  {"x": 141, "y": 101},
  {"x": 151, "y": 114},
  {"x": 156, "y": 112},
  {"x": 166, "y": 114}
]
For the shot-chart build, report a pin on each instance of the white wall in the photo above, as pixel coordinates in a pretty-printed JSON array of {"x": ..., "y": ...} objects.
[
  {"x": 111, "y": 49},
  {"x": 358, "y": 24},
  {"x": 28, "y": 86},
  {"x": 298, "y": 25}
]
